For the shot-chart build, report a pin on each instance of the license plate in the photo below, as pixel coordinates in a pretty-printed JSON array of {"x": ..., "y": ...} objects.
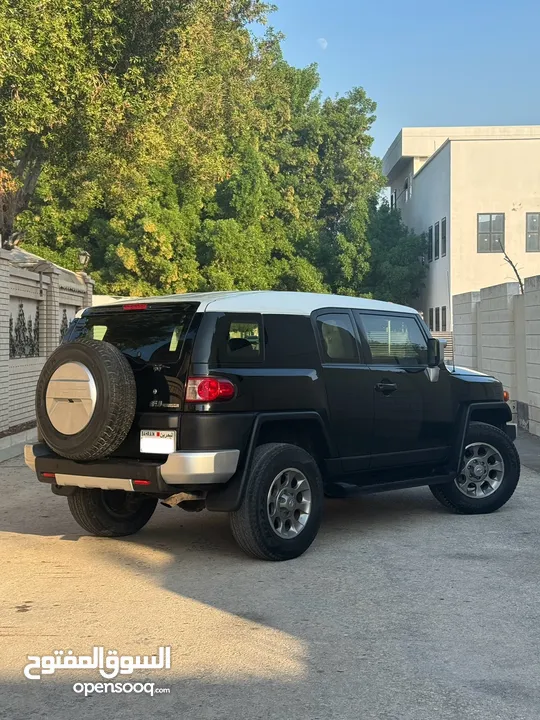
[{"x": 158, "y": 442}]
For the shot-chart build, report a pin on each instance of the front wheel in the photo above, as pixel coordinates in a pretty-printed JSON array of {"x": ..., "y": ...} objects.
[
  {"x": 489, "y": 473},
  {"x": 282, "y": 505},
  {"x": 111, "y": 513}
]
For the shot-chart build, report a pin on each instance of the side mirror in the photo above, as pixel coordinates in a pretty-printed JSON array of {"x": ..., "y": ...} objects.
[{"x": 434, "y": 353}]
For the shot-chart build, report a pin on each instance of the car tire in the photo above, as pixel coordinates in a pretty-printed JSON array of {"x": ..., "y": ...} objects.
[
  {"x": 111, "y": 403},
  {"x": 471, "y": 495},
  {"x": 284, "y": 529},
  {"x": 111, "y": 513}
]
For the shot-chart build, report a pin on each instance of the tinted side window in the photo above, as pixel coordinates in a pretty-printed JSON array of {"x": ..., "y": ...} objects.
[
  {"x": 338, "y": 340},
  {"x": 238, "y": 339},
  {"x": 395, "y": 340},
  {"x": 290, "y": 342}
]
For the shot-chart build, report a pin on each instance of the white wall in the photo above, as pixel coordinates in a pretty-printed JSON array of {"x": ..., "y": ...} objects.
[
  {"x": 430, "y": 203},
  {"x": 493, "y": 176}
]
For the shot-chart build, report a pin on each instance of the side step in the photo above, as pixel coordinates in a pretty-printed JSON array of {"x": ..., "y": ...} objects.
[{"x": 344, "y": 489}]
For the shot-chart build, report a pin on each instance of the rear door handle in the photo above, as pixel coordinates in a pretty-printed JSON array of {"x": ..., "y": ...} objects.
[{"x": 386, "y": 387}]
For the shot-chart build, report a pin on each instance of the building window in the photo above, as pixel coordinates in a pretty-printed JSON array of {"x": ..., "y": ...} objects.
[
  {"x": 406, "y": 190},
  {"x": 533, "y": 232},
  {"x": 410, "y": 185},
  {"x": 443, "y": 237},
  {"x": 490, "y": 232},
  {"x": 431, "y": 318},
  {"x": 430, "y": 244},
  {"x": 443, "y": 318},
  {"x": 437, "y": 241},
  {"x": 437, "y": 319},
  {"x": 393, "y": 200}
]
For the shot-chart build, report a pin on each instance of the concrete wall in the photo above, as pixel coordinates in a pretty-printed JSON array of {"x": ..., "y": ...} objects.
[
  {"x": 497, "y": 331},
  {"x": 532, "y": 350},
  {"x": 495, "y": 327},
  {"x": 466, "y": 329}
]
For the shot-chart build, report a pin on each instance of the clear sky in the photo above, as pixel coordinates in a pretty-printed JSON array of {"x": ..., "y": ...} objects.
[{"x": 425, "y": 62}]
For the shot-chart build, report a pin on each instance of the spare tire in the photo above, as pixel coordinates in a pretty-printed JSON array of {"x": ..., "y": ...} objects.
[{"x": 85, "y": 400}]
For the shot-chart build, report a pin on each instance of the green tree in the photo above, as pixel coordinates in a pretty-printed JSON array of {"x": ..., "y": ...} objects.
[
  {"x": 397, "y": 270},
  {"x": 99, "y": 90},
  {"x": 180, "y": 150}
]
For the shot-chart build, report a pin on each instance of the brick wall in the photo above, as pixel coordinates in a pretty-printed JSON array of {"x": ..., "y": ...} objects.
[{"x": 23, "y": 377}]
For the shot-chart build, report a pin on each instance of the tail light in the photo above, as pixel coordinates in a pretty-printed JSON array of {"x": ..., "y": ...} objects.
[
  {"x": 209, "y": 389},
  {"x": 506, "y": 396}
]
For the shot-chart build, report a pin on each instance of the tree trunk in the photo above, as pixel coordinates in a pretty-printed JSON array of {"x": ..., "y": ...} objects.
[{"x": 17, "y": 185}]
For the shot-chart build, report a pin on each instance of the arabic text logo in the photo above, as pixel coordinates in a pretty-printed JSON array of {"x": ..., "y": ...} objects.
[{"x": 109, "y": 666}]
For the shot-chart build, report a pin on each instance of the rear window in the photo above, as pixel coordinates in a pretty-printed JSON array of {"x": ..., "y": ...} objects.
[{"x": 154, "y": 336}]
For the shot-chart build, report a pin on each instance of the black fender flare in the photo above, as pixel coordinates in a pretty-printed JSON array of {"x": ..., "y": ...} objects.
[
  {"x": 464, "y": 420},
  {"x": 229, "y": 497}
]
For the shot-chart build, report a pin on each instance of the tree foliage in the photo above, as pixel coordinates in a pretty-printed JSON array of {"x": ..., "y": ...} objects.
[
  {"x": 184, "y": 153},
  {"x": 397, "y": 269}
]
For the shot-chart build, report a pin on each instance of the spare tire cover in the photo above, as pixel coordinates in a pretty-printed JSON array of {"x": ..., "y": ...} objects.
[{"x": 85, "y": 400}]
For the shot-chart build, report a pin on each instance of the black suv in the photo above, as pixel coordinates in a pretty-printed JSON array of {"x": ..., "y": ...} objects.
[{"x": 259, "y": 404}]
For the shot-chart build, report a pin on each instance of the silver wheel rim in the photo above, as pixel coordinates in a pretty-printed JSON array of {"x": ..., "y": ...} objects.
[
  {"x": 71, "y": 398},
  {"x": 289, "y": 503},
  {"x": 482, "y": 472}
]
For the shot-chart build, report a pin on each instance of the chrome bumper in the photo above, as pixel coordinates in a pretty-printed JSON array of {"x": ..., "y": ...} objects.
[
  {"x": 31, "y": 452},
  {"x": 181, "y": 468},
  {"x": 205, "y": 468}
]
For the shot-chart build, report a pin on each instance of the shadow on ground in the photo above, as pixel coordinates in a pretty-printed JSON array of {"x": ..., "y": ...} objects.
[{"x": 400, "y": 611}]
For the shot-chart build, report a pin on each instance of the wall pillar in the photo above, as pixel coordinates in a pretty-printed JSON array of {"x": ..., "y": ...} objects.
[
  {"x": 532, "y": 350},
  {"x": 89, "y": 293},
  {"x": 5, "y": 272},
  {"x": 51, "y": 323},
  {"x": 465, "y": 329},
  {"x": 497, "y": 334}
]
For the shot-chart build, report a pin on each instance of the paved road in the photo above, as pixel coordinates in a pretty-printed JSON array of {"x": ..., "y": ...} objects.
[{"x": 400, "y": 611}]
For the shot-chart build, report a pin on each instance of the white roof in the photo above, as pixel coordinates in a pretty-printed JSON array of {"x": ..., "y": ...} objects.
[{"x": 272, "y": 302}]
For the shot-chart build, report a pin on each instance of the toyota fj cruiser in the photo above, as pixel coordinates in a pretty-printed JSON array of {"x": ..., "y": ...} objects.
[{"x": 258, "y": 404}]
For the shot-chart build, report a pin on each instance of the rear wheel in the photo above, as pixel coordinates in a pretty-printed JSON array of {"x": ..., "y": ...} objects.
[
  {"x": 111, "y": 513},
  {"x": 489, "y": 473},
  {"x": 281, "y": 510}
]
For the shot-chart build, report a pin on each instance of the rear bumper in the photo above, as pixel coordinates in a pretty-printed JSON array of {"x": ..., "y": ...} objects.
[{"x": 195, "y": 470}]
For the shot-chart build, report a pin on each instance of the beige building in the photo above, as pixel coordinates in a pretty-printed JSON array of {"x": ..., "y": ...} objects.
[{"x": 470, "y": 189}]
